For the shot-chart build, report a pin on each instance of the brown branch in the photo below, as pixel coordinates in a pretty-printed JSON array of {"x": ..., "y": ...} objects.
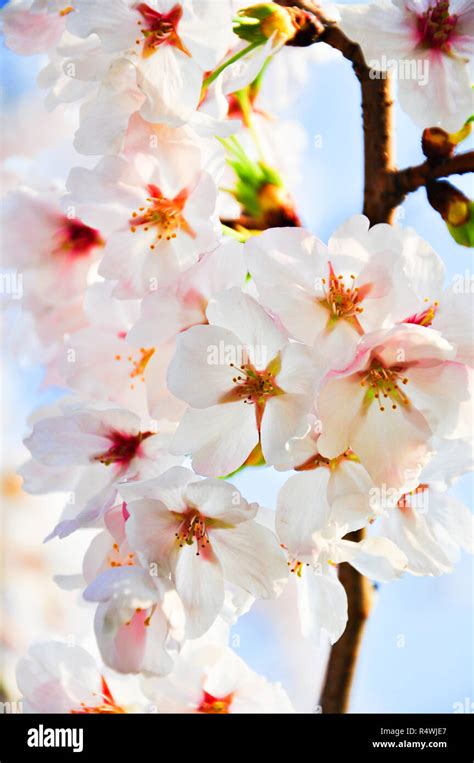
[
  {"x": 376, "y": 112},
  {"x": 410, "y": 179},
  {"x": 343, "y": 658}
]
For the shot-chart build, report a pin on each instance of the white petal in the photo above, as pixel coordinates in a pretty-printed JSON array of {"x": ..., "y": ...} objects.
[
  {"x": 219, "y": 438},
  {"x": 200, "y": 585}
]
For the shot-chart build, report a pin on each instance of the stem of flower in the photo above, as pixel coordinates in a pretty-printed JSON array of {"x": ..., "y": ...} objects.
[{"x": 214, "y": 75}]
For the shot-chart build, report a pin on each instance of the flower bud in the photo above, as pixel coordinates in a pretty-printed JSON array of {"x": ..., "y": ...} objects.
[
  {"x": 258, "y": 23},
  {"x": 437, "y": 144},
  {"x": 455, "y": 208}
]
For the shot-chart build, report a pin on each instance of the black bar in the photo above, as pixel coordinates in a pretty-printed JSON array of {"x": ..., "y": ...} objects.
[{"x": 154, "y": 737}]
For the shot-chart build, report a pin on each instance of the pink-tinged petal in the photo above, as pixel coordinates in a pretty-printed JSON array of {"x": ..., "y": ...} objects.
[
  {"x": 221, "y": 500},
  {"x": 364, "y": 24},
  {"x": 56, "y": 677},
  {"x": 284, "y": 417},
  {"x": 219, "y": 438},
  {"x": 339, "y": 402},
  {"x": 250, "y": 558},
  {"x": 201, "y": 372},
  {"x": 322, "y": 604},
  {"x": 62, "y": 441},
  {"x": 200, "y": 585},
  {"x": 302, "y": 509},
  {"x": 393, "y": 445},
  {"x": 161, "y": 403},
  {"x": 28, "y": 33},
  {"x": 169, "y": 488},
  {"x": 163, "y": 315},
  {"x": 408, "y": 344},
  {"x": 247, "y": 320},
  {"x": 442, "y": 394},
  {"x": 151, "y": 530},
  {"x": 445, "y": 98}
]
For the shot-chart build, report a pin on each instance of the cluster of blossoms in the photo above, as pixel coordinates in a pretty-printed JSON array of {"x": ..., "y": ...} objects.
[{"x": 190, "y": 350}]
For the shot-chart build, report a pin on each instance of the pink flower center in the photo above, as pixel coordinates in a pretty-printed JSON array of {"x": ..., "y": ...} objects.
[
  {"x": 436, "y": 26},
  {"x": 214, "y": 705},
  {"x": 160, "y": 29},
  {"x": 425, "y": 317},
  {"x": 123, "y": 448},
  {"x": 341, "y": 300},
  {"x": 162, "y": 214},
  {"x": 75, "y": 239},
  {"x": 384, "y": 384}
]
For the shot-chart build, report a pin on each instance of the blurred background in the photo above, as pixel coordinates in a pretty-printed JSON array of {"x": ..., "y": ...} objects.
[{"x": 417, "y": 653}]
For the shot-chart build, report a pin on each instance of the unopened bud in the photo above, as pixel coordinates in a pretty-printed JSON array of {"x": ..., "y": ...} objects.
[
  {"x": 452, "y": 204},
  {"x": 437, "y": 144},
  {"x": 258, "y": 23},
  {"x": 276, "y": 207},
  {"x": 455, "y": 208},
  {"x": 279, "y": 22}
]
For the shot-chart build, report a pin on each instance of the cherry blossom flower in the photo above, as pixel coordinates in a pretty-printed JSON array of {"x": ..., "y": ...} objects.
[
  {"x": 53, "y": 251},
  {"x": 246, "y": 384},
  {"x": 173, "y": 309},
  {"x": 213, "y": 679},
  {"x": 203, "y": 532},
  {"x": 34, "y": 27},
  {"x": 427, "y": 523},
  {"x": 403, "y": 387},
  {"x": 327, "y": 296},
  {"x": 139, "y": 622},
  {"x": 161, "y": 224},
  {"x": 422, "y": 297},
  {"x": 99, "y": 362},
  {"x": 432, "y": 40},
  {"x": 62, "y": 678},
  {"x": 170, "y": 46},
  {"x": 89, "y": 452},
  {"x": 312, "y": 535}
]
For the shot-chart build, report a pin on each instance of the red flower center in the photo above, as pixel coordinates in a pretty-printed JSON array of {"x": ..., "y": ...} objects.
[
  {"x": 123, "y": 448},
  {"x": 214, "y": 705},
  {"x": 160, "y": 29},
  {"x": 436, "y": 26},
  {"x": 164, "y": 215},
  {"x": 75, "y": 238},
  {"x": 106, "y": 704}
]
